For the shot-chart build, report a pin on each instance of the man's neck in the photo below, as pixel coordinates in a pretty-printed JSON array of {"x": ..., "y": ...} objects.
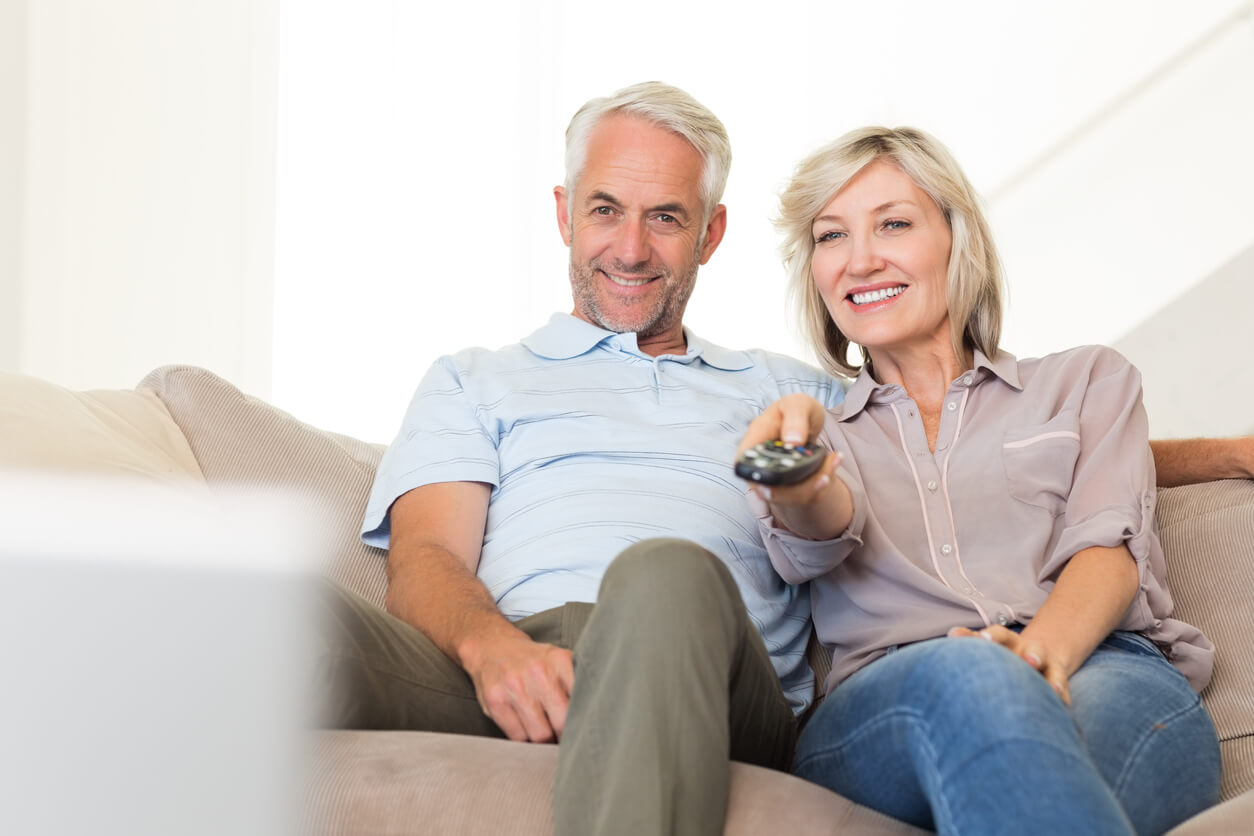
[{"x": 670, "y": 342}]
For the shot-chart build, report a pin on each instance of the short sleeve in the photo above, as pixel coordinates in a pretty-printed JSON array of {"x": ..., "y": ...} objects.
[{"x": 441, "y": 440}]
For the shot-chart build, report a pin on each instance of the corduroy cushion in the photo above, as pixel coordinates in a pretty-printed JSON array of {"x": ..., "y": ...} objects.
[
  {"x": 242, "y": 440},
  {"x": 1207, "y": 533},
  {"x": 118, "y": 433}
]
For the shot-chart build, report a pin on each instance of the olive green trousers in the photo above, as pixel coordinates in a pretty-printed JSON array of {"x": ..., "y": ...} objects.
[{"x": 672, "y": 682}]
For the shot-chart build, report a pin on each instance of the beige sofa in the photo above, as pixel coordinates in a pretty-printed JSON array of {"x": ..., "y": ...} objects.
[{"x": 185, "y": 425}]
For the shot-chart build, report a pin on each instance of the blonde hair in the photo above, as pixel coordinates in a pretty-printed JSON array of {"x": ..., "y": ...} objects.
[
  {"x": 975, "y": 291},
  {"x": 669, "y": 108}
]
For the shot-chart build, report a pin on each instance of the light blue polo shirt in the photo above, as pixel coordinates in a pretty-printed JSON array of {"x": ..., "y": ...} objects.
[{"x": 591, "y": 445}]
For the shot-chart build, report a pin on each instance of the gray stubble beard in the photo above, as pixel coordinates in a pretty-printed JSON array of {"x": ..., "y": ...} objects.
[{"x": 666, "y": 313}]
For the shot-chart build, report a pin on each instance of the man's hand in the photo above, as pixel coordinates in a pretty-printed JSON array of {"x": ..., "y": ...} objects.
[
  {"x": 522, "y": 685},
  {"x": 1056, "y": 673}
]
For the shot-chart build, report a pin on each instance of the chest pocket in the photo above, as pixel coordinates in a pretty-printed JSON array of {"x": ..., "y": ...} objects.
[{"x": 1040, "y": 461}]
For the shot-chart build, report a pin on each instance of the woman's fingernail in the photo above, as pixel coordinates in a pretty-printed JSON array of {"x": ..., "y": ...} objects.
[
  {"x": 984, "y": 634},
  {"x": 765, "y": 491},
  {"x": 822, "y": 483},
  {"x": 1033, "y": 660},
  {"x": 954, "y": 632}
]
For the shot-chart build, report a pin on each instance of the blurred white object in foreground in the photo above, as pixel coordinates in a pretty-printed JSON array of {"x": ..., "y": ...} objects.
[{"x": 155, "y": 646}]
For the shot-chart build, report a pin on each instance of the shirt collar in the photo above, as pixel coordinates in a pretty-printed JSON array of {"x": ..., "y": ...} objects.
[
  {"x": 865, "y": 390},
  {"x": 566, "y": 336}
]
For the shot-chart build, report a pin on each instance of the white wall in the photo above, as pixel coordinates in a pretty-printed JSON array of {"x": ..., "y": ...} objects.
[
  {"x": 148, "y": 212},
  {"x": 415, "y": 171},
  {"x": 1195, "y": 356},
  {"x": 419, "y": 144},
  {"x": 1145, "y": 201},
  {"x": 12, "y": 176}
]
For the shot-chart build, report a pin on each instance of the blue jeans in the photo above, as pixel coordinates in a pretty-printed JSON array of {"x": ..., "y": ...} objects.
[{"x": 961, "y": 736}]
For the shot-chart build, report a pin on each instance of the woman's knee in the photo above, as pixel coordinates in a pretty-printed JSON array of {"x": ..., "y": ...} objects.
[{"x": 976, "y": 672}]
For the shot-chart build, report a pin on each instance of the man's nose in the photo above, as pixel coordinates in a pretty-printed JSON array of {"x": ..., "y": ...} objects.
[{"x": 631, "y": 244}]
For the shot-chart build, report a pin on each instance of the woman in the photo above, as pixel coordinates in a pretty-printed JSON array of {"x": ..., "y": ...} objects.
[{"x": 980, "y": 541}]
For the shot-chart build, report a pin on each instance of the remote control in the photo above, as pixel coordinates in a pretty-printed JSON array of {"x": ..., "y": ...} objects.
[{"x": 779, "y": 463}]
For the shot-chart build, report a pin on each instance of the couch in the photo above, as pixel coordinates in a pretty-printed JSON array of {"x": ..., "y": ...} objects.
[{"x": 184, "y": 426}]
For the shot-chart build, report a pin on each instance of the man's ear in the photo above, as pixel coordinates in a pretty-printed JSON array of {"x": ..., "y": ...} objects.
[
  {"x": 714, "y": 232},
  {"x": 563, "y": 213}
]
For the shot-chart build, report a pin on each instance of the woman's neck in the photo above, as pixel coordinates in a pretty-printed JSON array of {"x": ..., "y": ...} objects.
[{"x": 925, "y": 372}]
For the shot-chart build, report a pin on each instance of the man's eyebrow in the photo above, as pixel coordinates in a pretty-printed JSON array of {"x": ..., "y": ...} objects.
[
  {"x": 671, "y": 209},
  {"x": 881, "y": 208},
  {"x": 603, "y": 197}
]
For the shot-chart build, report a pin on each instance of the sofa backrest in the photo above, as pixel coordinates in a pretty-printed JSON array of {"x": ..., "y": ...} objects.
[
  {"x": 1207, "y": 530},
  {"x": 115, "y": 433},
  {"x": 242, "y": 440}
]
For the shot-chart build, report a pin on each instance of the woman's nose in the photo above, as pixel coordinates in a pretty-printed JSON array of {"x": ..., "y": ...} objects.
[{"x": 864, "y": 256}]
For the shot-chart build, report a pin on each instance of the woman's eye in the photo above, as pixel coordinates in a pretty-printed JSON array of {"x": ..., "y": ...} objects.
[
  {"x": 896, "y": 224},
  {"x": 830, "y": 235}
]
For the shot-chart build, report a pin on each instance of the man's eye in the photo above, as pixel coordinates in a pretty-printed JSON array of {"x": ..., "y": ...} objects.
[
  {"x": 603, "y": 210},
  {"x": 667, "y": 219}
]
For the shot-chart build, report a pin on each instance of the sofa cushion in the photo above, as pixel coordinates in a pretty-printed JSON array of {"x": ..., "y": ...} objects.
[
  {"x": 397, "y": 782},
  {"x": 242, "y": 440},
  {"x": 119, "y": 433},
  {"x": 1207, "y": 533}
]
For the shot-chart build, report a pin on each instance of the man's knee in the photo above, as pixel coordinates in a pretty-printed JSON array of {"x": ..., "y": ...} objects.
[{"x": 667, "y": 565}]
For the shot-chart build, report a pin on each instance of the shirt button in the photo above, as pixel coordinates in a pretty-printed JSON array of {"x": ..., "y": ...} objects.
[
  {"x": 966, "y": 380},
  {"x": 931, "y": 486},
  {"x": 1002, "y": 620},
  {"x": 946, "y": 549},
  {"x": 951, "y": 406}
]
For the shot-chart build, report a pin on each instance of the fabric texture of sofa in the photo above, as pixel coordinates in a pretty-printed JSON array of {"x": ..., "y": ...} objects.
[{"x": 187, "y": 428}]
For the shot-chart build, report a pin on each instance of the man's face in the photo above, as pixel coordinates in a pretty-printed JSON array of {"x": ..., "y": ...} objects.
[{"x": 635, "y": 228}]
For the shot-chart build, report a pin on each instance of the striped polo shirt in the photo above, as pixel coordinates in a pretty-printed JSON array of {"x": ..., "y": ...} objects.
[{"x": 592, "y": 445}]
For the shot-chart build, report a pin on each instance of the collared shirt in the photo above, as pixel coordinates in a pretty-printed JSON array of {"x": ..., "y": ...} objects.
[
  {"x": 591, "y": 445},
  {"x": 1034, "y": 461}
]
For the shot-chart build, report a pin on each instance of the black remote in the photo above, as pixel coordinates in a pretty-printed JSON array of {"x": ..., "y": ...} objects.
[{"x": 779, "y": 463}]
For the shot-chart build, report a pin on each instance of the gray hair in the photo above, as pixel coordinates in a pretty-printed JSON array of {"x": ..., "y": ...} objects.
[
  {"x": 974, "y": 277},
  {"x": 669, "y": 108}
]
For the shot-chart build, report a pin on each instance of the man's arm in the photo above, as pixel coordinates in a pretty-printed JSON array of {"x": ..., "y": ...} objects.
[
  {"x": 1188, "y": 461},
  {"x": 437, "y": 537}
]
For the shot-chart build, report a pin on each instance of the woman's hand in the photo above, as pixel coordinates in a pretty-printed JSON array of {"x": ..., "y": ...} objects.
[
  {"x": 1056, "y": 673},
  {"x": 1089, "y": 599},
  {"x": 820, "y": 507},
  {"x": 793, "y": 419}
]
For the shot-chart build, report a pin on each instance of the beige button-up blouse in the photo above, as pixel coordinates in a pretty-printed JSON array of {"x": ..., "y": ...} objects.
[{"x": 1035, "y": 460}]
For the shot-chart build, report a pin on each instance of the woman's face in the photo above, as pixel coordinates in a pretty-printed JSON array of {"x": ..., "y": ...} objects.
[{"x": 881, "y": 260}]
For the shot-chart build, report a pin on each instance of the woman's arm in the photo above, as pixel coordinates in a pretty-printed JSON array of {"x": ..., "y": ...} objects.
[
  {"x": 1089, "y": 600},
  {"x": 1192, "y": 460}
]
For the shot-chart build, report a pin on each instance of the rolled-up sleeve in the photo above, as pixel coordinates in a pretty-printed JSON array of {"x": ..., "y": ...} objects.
[
  {"x": 1112, "y": 496},
  {"x": 797, "y": 559}
]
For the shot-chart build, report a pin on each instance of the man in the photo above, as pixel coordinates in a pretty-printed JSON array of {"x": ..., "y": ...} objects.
[{"x": 519, "y": 475}]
